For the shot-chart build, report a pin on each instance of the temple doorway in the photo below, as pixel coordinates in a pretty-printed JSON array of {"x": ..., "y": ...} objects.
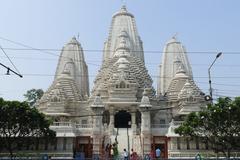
[
  {"x": 122, "y": 119},
  {"x": 83, "y": 147},
  {"x": 161, "y": 142}
]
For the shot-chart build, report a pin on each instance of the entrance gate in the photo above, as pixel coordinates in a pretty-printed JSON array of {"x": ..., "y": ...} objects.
[{"x": 122, "y": 119}]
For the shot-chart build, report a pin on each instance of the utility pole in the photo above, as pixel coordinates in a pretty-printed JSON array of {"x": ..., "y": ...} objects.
[{"x": 209, "y": 75}]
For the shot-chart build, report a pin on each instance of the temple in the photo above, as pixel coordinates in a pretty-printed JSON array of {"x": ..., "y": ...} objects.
[{"x": 123, "y": 105}]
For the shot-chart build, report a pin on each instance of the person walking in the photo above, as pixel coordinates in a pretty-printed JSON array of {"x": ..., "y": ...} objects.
[
  {"x": 107, "y": 151},
  {"x": 133, "y": 155},
  {"x": 158, "y": 153},
  {"x": 115, "y": 151},
  {"x": 125, "y": 154}
]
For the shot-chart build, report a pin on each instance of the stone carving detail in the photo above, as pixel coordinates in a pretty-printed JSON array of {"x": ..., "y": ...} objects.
[
  {"x": 55, "y": 95},
  {"x": 98, "y": 101}
]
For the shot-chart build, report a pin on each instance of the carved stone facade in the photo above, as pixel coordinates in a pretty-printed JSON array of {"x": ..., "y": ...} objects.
[{"x": 123, "y": 104}]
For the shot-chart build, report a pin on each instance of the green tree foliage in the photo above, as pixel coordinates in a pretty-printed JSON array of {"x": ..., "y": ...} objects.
[
  {"x": 218, "y": 124},
  {"x": 33, "y": 95},
  {"x": 21, "y": 124}
]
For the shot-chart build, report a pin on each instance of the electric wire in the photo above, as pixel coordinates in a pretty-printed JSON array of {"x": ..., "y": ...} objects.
[
  {"x": 90, "y": 62},
  {"x": 46, "y": 50},
  {"x": 220, "y": 84},
  {"x": 101, "y": 50},
  {"x": 154, "y": 76}
]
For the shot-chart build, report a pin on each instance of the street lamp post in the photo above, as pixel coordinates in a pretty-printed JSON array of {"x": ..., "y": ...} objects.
[
  {"x": 209, "y": 75},
  {"x": 129, "y": 125}
]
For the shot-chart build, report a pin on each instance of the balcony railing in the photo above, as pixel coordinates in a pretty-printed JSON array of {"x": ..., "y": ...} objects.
[
  {"x": 70, "y": 124},
  {"x": 83, "y": 125},
  {"x": 159, "y": 125},
  {"x": 61, "y": 124}
]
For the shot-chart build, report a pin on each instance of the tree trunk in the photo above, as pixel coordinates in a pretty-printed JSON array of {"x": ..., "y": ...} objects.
[
  {"x": 228, "y": 153},
  {"x": 11, "y": 152},
  {"x": 9, "y": 147}
]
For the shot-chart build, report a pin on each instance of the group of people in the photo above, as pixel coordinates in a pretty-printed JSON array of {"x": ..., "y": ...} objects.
[
  {"x": 111, "y": 152},
  {"x": 133, "y": 155},
  {"x": 155, "y": 154}
]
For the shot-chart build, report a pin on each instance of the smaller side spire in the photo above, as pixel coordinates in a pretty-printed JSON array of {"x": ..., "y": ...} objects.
[{"x": 173, "y": 53}]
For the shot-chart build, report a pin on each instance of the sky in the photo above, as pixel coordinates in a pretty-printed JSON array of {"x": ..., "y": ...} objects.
[{"x": 205, "y": 27}]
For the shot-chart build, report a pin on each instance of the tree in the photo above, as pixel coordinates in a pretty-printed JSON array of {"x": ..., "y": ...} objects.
[
  {"x": 218, "y": 124},
  {"x": 33, "y": 95},
  {"x": 21, "y": 124}
]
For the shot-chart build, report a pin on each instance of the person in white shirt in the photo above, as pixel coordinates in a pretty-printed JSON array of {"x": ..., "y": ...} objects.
[{"x": 125, "y": 154}]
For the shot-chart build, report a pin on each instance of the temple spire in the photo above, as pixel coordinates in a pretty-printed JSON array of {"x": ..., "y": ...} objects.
[
  {"x": 123, "y": 23},
  {"x": 72, "y": 60},
  {"x": 174, "y": 54}
]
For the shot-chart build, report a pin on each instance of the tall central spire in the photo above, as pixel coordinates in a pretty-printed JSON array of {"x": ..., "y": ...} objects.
[
  {"x": 123, "y": 23},
  {"x": 123, "y": 65}
]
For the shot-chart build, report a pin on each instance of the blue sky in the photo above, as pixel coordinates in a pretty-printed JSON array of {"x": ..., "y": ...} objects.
[{"x": 206, "y": 26}]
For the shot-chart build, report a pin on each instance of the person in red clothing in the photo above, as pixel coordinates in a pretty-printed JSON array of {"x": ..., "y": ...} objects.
[
  {"x": 152, "y": 154},
  {"x": 107, "y": 151},
  {"x": 133, "y": 155}
]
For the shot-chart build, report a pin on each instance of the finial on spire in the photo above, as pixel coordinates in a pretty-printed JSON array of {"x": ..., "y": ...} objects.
[
  {"x": 124, "y": 3},
  {"x": 175, "y": 35},
  {"x": 123, "y": 8}
]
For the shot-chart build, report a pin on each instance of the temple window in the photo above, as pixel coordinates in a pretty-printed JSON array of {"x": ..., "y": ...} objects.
[
  {"x": 64, "y": 143},
  {"x": 162, "y": 121},
  {"x": 197, "y": 143},
  {"x": 122, "y": 85},
  {"x": 206, "y": 145},
  {"x": 190, "y": 99},
  {"x": 84, "y": 121},
  {"x": 178, "y": 143},
  {"x": 188, "y": 145}
]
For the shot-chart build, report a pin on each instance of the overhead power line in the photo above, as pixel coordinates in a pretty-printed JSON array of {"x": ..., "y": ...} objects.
[
  {"x": 46, "y": 50},
  {"x": 100, "y": 50},
  {"x": 90, "y": 62},
  {"x": 27, "y": 46},
  {"x": 153, "y": 76},
  {"x": 220, "y": 84}
]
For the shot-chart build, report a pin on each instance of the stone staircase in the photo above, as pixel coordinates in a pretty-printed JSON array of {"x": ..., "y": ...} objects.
[
  {"x": 134, "y": 140},
  {"x": 137, "y": 144}
]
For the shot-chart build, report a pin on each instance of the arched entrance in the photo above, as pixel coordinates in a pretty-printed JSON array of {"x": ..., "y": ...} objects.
[{"x": 122, "y": 119}]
